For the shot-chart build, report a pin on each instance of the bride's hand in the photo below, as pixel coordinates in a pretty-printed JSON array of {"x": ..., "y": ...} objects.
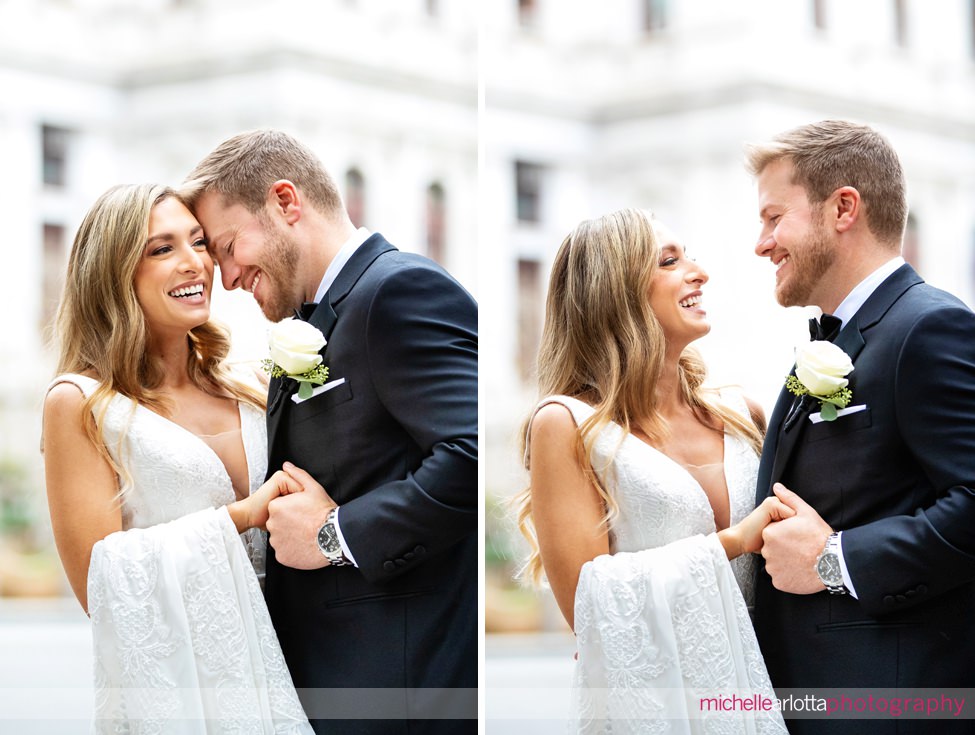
[
  {"x": 745, "y": 537},
  {"x": 252, "y": 512}
]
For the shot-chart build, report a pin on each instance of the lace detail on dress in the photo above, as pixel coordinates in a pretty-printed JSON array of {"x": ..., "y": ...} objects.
[
  {"x": 660, "y": 621},
  {"x": 183, "y": 641}
]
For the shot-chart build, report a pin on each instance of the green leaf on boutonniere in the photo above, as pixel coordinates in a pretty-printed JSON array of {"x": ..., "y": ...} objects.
[
  {"x": 828, "y": 412},
  {"x": 305, "y": 390}
]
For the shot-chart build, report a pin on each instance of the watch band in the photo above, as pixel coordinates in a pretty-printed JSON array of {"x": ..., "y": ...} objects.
[
  {"x": 828, "y": 566},
  {"x": 328, "y": 541}
]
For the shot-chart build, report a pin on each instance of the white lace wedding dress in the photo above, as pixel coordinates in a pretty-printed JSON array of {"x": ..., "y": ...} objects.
[
  {"x": 664, "y": 637},
  {"x": 182, "y": 639}
]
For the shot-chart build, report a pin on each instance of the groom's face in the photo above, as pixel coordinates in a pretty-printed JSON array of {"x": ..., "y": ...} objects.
[
  {"x": 794, "y": 237},
  {"x": 252, "y": 254}
]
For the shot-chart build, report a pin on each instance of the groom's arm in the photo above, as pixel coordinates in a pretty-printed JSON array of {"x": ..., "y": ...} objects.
[
  {"x": 901, "y": 561},
  {"x": 422, "y": 351}
]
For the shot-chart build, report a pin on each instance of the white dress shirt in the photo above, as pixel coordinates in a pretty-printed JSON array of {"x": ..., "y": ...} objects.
[
  {"x": 844, "y": 312},
  {"x": 331, "y": 273}
]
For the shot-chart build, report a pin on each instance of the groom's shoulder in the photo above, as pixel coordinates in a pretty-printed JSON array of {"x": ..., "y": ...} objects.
[
  {"x": 924, "y": 298},
  {"x": 398, "y": 270}
]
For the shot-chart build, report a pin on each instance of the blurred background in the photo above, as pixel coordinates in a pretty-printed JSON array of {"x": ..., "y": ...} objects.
[
  {"x": 648, "y": 103},
  {"x": 586, "y": 108},
  {"x": 99, "y": 92}
]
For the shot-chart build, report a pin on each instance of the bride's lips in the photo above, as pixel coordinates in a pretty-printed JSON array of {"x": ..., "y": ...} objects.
[
  {"x": 692, "y": 302},
  {"x": 191, "y": 293}
]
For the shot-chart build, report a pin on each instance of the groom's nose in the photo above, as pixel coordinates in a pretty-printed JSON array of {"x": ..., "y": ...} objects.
[
  {"x": 765, "y": 247},
  {"x": 230, "y": 274}
]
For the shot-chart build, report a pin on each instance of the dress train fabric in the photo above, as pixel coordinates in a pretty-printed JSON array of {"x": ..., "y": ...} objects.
[
  {"x": 182, "y": 636},
  {"x": 182, "y": 639},
  {"x": 662, "y": 626}
]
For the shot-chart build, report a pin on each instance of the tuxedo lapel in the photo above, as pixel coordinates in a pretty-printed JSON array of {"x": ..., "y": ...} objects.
[
  {"x": 781, "y": 442},
  {"x": 781, "y": 410},
  {"x": 324, "y": 318}
]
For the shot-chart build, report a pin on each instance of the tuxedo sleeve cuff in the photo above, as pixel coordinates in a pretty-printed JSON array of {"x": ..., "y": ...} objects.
[
  {"x": 345, "y": 546},
  {"x": 847, "y": 582}
]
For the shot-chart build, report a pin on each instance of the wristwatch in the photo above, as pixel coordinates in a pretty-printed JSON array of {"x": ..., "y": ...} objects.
[
  {"x": 828, "y": 566},
  {"x": 328, "y": 541}
]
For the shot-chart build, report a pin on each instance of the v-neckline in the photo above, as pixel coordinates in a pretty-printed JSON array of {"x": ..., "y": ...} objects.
[
  {"x": 209, "y": 449},
  {"x": 687, "y": 473}
]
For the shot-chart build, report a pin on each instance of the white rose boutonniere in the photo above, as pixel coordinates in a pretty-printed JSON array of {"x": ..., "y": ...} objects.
[
  {"x": 294, "y": 354},
  {"x": 821, "y": 370}
]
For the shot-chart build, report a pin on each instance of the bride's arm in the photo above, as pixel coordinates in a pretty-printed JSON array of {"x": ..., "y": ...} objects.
[
  {"x": 82, "y": 489},
  {"x": 81, "y": 486},
  {"x": 566, "y": 507}
]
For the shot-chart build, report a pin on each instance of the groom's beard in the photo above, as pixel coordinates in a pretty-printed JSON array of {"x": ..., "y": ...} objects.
[
  {"x": 280, "y": 268},
  {"x": 810, "y": 263}
]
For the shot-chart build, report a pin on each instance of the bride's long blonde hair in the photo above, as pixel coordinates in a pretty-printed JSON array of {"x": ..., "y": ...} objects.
[
  {"x": 100, "y": 327},
  {"x": 602, "y": 343}
]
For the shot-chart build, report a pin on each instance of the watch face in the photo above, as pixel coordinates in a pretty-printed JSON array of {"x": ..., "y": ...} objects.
[
  {"x": 328, "y": 539},
  {"x": 828, "y": 567}
]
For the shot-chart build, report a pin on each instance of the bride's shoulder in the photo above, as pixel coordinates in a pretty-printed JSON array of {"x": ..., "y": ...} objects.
[
  {"x": 734, "y": 398},
  {"x": 67, "y": 386},
  {"x": 249, "y": 373}
]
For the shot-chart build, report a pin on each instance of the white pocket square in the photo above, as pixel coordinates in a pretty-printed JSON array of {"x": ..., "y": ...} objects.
[
  {"x": 817, "y": 418},
  {"x": 325, "y": 387}
]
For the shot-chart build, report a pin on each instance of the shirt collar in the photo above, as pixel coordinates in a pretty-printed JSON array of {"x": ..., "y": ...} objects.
[
  {"x": 339, "y": 261},
  {"x": 862, "y": 291}
]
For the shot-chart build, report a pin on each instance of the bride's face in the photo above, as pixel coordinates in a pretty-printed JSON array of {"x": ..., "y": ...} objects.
[
  {"x": 676, "y": 295},
  {"x": 174, "y": 277}
]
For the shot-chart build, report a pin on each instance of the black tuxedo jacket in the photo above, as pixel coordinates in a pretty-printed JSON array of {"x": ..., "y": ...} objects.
[
  {"x": 395, "y": 446},
  {"x": 899, "y": 480}
]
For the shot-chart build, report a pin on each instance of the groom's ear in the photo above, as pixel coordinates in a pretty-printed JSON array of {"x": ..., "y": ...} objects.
[
  {"x": 284, "y": 200},
  {"x": 844, "y": 207}
]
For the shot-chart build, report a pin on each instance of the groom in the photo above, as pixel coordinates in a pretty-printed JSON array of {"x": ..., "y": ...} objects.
[
  {"x": 371, "y": 583},
  {"x": 872, "y": 583}
]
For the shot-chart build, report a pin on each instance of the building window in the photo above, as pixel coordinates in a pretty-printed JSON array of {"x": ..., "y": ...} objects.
[
  {"x": 900, "y": 22},
  {"x": 819, "y": 14},
  {"x": 53, "y": 271},
  {"x": 530, "y": 309},
  {"x": 355, "y": 196},
  {"x": 526, "y": 13},
  {"x": 436, "y": 223},
  {"x": 654, "y": 15},
  {"x": 528, "y": 191},
  {"x": 54, "y": 152}
]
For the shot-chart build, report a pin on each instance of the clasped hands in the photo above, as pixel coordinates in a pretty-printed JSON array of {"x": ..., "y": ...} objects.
[
  {"x": 790, "y": 535},
  {"x": 292, "y": 506}
]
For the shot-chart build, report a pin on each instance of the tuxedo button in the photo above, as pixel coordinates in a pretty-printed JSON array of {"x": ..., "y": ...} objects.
[
  {"x": 409, "y": 556},
  {"x": 419, "y": 551},
  {"x": 888, "y": 600},
  {"x": 401, "y": 562},
  {"x": 389, "y": 566},
  {"x": 901, "y": 598},
  {"x": 911, "y": 593},
  {"x": 922, "y": 589}
]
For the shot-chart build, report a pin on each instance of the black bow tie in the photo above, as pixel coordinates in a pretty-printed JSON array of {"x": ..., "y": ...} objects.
[
  {"x": 306, "y": 310},
  {"x": 826, "y": 328}
]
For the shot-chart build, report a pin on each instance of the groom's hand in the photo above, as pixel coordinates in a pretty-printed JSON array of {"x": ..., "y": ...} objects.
[
  {"x": 791, "y": 546},
  {"x": 294, "y": 521}
]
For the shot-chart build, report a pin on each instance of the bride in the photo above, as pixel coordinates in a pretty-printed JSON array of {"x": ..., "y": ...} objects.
[
  {"x": 154, "y": 457},
  {"x": 642, "y": 486}
]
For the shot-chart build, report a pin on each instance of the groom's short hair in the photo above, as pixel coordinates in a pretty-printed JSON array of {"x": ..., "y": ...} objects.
[
  {"x": 834, "y": 153},
  {"x": 243, "y": 167}
]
